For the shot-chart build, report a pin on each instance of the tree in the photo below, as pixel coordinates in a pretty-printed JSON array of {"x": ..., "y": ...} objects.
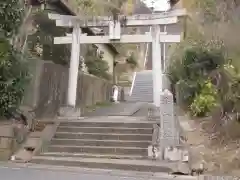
[
  {"x": 95, "y": 63},
  {"x": 13, "y": 69},
  {"x": 101, "y": 7},
  {"x": 41, "y": 43}
]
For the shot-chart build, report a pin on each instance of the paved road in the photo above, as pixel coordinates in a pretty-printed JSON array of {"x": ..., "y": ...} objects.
[
  {"x": 38, "y": 173},
  {"x": 34, "y": 174}
]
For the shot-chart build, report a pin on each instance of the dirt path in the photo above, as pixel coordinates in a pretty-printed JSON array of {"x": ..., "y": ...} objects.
[{"x": 219, "y": 156}]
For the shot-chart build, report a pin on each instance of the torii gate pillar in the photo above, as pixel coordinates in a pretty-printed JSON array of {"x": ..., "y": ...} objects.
[
  {"x": 74, "y": 65},
  {"x": 157, "y": 65}
]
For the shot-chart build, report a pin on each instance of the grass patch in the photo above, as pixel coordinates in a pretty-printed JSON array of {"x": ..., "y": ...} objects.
[
  {"x": 98, "y": 105},
  {"x": 103, "y": 104}
]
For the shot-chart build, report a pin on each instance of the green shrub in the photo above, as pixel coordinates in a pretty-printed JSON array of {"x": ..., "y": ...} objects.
[
  {"x": 132, "y": 61},
  {"x": 193, "y": 68},
  {"x": 205, "y": 101},
  {"x": 95, "y": 63},
  {"x": 188, "y": 89}
]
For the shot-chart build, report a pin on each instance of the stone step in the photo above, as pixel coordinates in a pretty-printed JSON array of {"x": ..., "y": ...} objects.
[
  {"x": 137, "y": 124},
  {"x": 141, "y": 95},
  {"x": 105, "y": 163},
  {"x": 143, "y": 91},
  {"x": 145, "y": 100},
  {"x": 106, "y": 143},
  {"x": 90, "y": 155},
  {"x": 146, "y": 82},
  {"x": 143, "y": 86},
  {"x": 140, "y": 87},
  {"x": 146, "y": 91},
  {"x": 105, "y": 130},
  {"x": 99, "y": 150},
  {"x": 102, "y": 136}
]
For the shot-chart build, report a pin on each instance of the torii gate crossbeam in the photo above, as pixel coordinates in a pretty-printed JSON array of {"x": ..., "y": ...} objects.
[{"x": 165, "y": 38}]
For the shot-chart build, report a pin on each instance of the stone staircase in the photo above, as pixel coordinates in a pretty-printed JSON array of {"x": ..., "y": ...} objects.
[
  {"x": 143, "y": 87},
  {"x": 104, "y": 145}
]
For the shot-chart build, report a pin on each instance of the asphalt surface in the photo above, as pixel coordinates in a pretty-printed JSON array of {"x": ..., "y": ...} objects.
[{"x": 34, "y": 173}]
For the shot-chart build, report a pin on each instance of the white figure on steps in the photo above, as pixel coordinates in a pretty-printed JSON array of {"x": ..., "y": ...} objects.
[{"x": 115, "y": 94}]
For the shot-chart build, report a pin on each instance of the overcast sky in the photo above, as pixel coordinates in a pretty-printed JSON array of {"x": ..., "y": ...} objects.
[{"x": 159, "y": 5}]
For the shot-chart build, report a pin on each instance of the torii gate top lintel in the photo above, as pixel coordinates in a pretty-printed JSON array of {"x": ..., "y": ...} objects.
[
  {"x": 172, "y": 13},
  {"x": 168, "y": 17}
]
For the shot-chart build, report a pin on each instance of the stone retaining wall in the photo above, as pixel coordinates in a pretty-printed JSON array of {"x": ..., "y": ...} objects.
[
  {"x": 6, "y": 142},
  {"x": 48, "y": 90}
]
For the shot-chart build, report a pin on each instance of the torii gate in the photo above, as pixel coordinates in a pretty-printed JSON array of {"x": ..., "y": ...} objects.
[{"x": 115, "y": 36}]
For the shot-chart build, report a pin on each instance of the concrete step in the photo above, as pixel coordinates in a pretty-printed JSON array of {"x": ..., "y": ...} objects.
[
  {"x": 135, "y": 100},
  {"x": 142, "y": 88},
  {"x": 117, "y": 130},
  {"x": 98, "y": 149},
  {"x": 142, "y": 96},
  {"x": 136, "y": 124},
  {"x": 90, "y": 155},
  {"x": 102, "y": 136},
  {"x": 145, "y": 82},
  {"x": 138, "y": 99},
  {"x": 105, "y": 163},
  {"x": 106, "y": 143},
  {"x": 146, "y": 99},
  {"x": 143, "y": 92},
  {"x": 138, "y": 96}
]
